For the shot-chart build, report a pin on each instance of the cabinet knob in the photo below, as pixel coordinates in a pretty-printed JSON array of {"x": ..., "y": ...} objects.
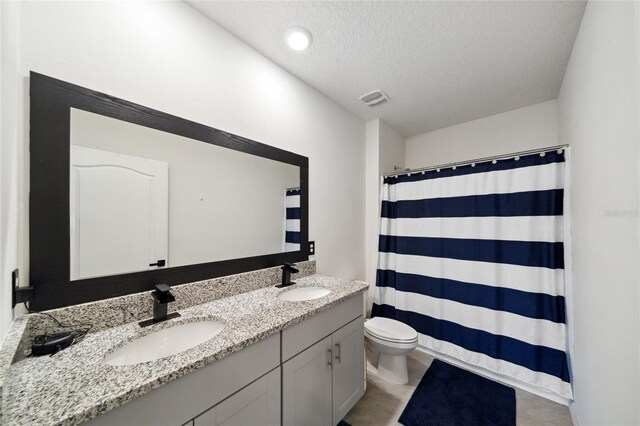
[
  {"x": 338, "y": 352},
  {"x": 329, "y": 352}
]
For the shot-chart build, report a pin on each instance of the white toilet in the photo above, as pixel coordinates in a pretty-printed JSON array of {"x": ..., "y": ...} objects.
[{"x": 393, "y": 340}]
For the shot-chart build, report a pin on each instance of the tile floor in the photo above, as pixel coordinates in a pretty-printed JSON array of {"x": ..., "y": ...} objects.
[{"x": 383, "y": 402}]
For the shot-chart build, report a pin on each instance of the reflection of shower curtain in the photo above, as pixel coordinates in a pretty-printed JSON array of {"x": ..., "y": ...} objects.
[
  {"x": 473, "y": 259},
  {"x": 292, "y": 220}
]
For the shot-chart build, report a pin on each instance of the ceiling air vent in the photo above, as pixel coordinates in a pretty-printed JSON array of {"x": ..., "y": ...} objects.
[{"x": 377, "y": 97}]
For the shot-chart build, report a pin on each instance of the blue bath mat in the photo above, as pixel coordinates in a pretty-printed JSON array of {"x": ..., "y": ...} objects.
[{"x": 448, "y": 395}]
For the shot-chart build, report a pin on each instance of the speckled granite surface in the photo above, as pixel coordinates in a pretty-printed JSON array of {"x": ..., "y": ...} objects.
[
  {"x": 75, "y": 385},
  {"x": 108, "y": 313},
  {"x": 9, "y": 349}
]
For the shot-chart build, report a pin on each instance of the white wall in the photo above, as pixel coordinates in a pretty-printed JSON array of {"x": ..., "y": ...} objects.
[
  {"x": 531, "y": 127},
  {"x": 11, "y": 156},
  {"x": 391, "y": 149},
  {"x": 372, "y": 172},
  {"x": 599, "y": 117},
  {"x": 169, "y": 57},
  {"x": 384, "y": 149}
]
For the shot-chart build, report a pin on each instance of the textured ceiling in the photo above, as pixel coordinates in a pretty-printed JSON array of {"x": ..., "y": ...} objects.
[{"x": 441, "y": 63}]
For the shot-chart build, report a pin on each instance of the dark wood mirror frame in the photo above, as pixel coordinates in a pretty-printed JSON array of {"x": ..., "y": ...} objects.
[{"x": 49, "y": 229}]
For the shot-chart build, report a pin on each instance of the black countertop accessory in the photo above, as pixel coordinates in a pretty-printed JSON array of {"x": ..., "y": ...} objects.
[
  {"x": 287, "y": 269},
  {"x": 161, "y": 298},
  {"x": 51, "y": 343}
]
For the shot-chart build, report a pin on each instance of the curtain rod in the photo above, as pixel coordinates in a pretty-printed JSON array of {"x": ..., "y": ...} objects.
[{"x": 477, "y": 160}]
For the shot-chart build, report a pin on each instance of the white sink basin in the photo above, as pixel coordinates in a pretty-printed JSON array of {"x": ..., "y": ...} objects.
[
  {"x": 164, "y": 342},
  {"x": 304, "y": 293}
]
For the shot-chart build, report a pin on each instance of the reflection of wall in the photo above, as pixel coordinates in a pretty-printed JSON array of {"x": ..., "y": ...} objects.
[
  {"x": 241, "y": 213},
  {"x": 169, "y": 57}
]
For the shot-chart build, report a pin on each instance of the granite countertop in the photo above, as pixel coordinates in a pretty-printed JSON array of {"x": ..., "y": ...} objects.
[{"x": 75, "y": 384}]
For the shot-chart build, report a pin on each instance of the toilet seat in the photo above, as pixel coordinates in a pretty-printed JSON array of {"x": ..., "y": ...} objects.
[
  {"x": 392, "y": 340},
  {"x": 389, "y": 346},
  {"x": 390, "y": 330}
]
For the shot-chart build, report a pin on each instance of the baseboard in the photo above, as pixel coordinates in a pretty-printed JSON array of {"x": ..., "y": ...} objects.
[
  {"x": 499, "y": 378},
  {"x": 574, "y": 415}
]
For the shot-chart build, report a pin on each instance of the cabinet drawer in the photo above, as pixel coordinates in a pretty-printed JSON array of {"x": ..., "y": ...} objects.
[{"x": 297, "y": 338}]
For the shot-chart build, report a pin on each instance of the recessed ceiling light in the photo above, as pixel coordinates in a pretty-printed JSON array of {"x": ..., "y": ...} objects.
[{"x": 298, "y": 38}]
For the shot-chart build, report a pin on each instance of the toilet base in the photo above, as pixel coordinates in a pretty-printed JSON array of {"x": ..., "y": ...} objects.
[{"x": 393, "y": 368}]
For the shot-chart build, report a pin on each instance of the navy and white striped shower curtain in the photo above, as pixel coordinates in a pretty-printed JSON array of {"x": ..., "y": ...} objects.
[
  {"x": 473, "y": 259},
  {"x": 292, "y": 220}
]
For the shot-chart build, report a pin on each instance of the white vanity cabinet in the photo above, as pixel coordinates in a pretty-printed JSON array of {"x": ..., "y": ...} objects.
[
  {"x": 323, "y": 381},
  {"x": 307, "y": 386},
  {"x": 309, "y": 374},
  {"x": 348, "y": 368},
  {"x": 256, "y": 405}
]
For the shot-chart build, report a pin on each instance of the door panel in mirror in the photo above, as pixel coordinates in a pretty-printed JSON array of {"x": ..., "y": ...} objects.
[{"x": 118, "y": 213}]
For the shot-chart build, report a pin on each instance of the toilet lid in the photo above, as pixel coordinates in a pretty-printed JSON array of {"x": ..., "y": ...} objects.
[{"x": 390, "y": 329}]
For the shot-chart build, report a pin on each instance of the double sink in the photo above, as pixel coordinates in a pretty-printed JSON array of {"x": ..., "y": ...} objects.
[{"x": 181, "y": 337}]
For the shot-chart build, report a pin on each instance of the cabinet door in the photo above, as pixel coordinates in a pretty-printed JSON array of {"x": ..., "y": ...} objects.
[
  {"x": 306, "y": 387},
  {"x": 256, "y": 404},
  {"x": 348, "y": 368}
]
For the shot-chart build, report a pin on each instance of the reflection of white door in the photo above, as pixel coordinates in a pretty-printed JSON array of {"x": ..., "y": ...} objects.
[{"x": 119, "y": 213}]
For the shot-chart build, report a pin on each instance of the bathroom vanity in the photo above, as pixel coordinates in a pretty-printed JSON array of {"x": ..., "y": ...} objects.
[
  {"x": 313, "y": 371},
  {"x": 242, "y": 351},
  {"x": 274, "y": 362}
]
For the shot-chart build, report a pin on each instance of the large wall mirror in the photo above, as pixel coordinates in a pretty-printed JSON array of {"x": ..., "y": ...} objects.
[{"x": 124, "y": 197}]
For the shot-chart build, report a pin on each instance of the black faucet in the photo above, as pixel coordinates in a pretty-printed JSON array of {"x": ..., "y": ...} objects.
[
  {"x": 287, "y": 269},
  {"x": 161, "y": 298}
]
